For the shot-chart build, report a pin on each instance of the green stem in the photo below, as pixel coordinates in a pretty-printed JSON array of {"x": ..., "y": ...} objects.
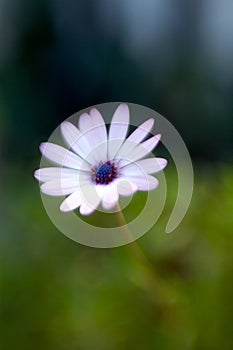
[{"x": 147, "y": 277}]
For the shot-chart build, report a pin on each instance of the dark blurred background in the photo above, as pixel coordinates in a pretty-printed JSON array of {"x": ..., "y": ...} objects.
[{"x": 57, "y": 57}]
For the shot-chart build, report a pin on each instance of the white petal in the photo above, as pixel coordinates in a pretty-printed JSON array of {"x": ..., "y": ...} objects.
[
  {"x": 90, "y": 196},
  {"x": 149, "y": 166},
  {"x": 152, "y": 165},
  {"x": 150, "y": 144},
  {"x": 94, "y": 129},
  {"x": 59, "y": 187},
  {"x": 75, "y": 139},
  {"x": 110, "y": 196},
  {"x": 139, "y": 151},
  {"x": 100, "y": 190},
  {"x": 84, "y": 122},
  {"x": 86, "y": 197},
  {"x": 72, "y": 202},
  {"x": 145, "y": 183},
  {"x": 91, "y": 200},
  {"x": 62, "y": 156},
  {"x": 118, "y": 129},
  {"x": 81, "y": 198},
  {"x": 125, "y": 187},
  {"x": 98, "y": 124},
  {"x": 135, "y": 138},
  {"x": 86, "y": 209},
  {"x": 141, "y": 132},
  {"x": 52, "y": 173}
]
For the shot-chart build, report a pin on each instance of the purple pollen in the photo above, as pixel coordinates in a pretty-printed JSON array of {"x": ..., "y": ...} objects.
[{"x": 105, "y": 173}]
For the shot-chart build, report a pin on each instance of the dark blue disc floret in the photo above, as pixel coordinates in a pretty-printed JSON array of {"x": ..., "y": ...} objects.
[{"x": 105, "y": 173}]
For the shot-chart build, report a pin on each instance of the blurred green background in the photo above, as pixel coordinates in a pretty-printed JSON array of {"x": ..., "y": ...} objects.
[{"x": 166, "y": 291}]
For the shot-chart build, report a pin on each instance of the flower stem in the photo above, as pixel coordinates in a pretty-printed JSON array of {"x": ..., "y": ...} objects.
[{"x": 146, "y": 276}]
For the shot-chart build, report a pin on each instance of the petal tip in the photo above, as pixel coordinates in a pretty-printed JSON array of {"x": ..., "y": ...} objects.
[
  {"x": 150, "y": 121},
  {"x": 94, "y": 111},
  {"x": 42, "y": 147},
  {"x": 122, "y": 108},
  {"x": 42, "y": 189},
  {"x": 85, "y": 210},
  {"x": 64, "y": 207},
  {"x": 124, "y": 104},
  {"x": 162, "y": 163},
  {"x": 64, "y": 124},
  {"x": 165, "y": 162},
  {"x": 37, "y": 174}
]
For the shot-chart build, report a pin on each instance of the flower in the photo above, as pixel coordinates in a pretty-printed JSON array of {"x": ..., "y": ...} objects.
[{"x": 99, "y": 166}]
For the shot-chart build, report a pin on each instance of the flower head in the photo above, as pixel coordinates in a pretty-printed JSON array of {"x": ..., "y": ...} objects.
[{"x": 98, "y": 167}]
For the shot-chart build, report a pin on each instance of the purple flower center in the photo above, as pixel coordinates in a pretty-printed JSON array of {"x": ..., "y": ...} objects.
[{"x": 105, "y": 173}]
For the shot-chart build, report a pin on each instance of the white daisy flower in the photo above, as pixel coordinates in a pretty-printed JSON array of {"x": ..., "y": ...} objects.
[{"x": 98, "y": 167}]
